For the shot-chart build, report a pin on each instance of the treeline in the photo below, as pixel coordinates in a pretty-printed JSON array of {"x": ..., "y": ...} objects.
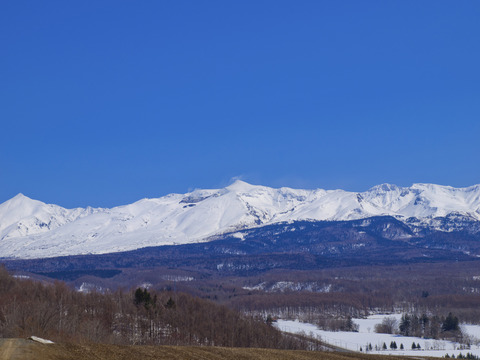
[
  {"x": 468, "y": 356},
  {"x": 430, "y": 326},
  {"x": 57, "y": 312},
  {"x": 293, "y": 303},
  {"x": 434, "y": 327},
  {"x": 337, "y": 324},
  {"x": 417, "y": 288}
]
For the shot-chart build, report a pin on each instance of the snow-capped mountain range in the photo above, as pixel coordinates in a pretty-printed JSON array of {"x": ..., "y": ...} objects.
[{"x": 33, "y": 229}]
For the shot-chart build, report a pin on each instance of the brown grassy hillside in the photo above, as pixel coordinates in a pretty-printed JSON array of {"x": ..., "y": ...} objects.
[{"x": 26, "y": 350}]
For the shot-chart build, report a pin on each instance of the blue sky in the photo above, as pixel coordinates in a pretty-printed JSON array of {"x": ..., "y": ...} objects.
[{"x": 106, "y": 102}]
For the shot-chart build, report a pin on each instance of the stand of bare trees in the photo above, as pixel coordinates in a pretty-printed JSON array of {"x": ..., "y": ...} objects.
[{"x": 59, "y": 313}]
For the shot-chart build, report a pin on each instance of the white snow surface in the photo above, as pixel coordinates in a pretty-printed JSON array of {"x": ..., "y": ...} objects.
[
  {"x": 359, "y": 340},
  {"x": 40, "y": 340},
  {"x": 33, "y": 229}
]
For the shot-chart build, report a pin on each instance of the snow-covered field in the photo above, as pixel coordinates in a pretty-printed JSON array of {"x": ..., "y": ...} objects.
[{"x": 358, "y": 341}]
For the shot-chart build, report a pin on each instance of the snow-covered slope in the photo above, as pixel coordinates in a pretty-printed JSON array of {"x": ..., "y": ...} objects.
[
  {"x": 30, "y": 228},
  {"x": 22, "y": 216}
]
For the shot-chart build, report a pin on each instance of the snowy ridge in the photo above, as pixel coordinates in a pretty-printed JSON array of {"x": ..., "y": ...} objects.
[{"x": 32, "y": 229}]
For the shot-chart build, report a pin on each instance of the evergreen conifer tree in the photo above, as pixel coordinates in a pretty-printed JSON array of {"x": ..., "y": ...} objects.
[
  {"x": 450, "y": 323},
  {"x": 405, "y": 325}
]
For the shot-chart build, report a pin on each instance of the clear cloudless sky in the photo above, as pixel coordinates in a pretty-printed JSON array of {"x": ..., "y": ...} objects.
[{"x": 103, "y": 103}]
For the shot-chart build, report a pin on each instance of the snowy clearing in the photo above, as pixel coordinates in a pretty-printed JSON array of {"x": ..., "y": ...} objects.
[{"x": 359, "y": 341}]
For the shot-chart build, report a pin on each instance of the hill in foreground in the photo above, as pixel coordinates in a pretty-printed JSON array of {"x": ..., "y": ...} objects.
[{"x": 26, "y": 350}]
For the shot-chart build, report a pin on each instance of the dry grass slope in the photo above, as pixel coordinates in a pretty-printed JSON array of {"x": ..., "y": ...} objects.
[{"x": 26, "y": 350}]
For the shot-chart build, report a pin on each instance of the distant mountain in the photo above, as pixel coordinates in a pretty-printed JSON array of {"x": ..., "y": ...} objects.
[{"x": 32, "y": 229}]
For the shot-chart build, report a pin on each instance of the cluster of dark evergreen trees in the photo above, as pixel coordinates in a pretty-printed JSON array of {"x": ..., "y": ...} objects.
[
  {"x": 429, "y": 326},
  {"x": 467, "y": 356},
  {"x": 433, "y": 327}
]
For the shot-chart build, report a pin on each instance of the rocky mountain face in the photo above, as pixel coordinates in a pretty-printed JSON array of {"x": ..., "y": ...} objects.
[{"x": 32, "y": 229}]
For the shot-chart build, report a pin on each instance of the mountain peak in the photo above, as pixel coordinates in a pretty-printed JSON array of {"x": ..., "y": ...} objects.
[
  {"x": 240, "y": 185},
  {"x": 20, "y": 196},
  {"x": 19, "y": 200}
]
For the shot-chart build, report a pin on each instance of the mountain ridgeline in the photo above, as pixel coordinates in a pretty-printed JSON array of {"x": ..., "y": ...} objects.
[{"x": 254, "y": 220}]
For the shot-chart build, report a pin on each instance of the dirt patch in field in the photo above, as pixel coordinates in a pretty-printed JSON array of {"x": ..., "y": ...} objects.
[{"x": 13, "y": 349}]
